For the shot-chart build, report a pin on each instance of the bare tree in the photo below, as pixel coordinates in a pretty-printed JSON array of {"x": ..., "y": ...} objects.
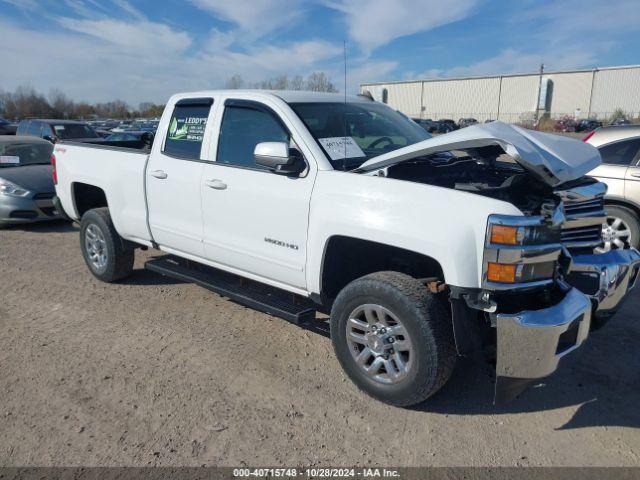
[
  {"x": 296, "y": 83},
  {"x": 235, "y": 82},
  {"x": 316, "y": 82},
  {"x": 319, "y": 82},
  {"x": 61, "y": 105}
]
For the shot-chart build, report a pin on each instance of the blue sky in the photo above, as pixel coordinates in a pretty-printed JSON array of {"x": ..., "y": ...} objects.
[{"x": 145, "y": 50}]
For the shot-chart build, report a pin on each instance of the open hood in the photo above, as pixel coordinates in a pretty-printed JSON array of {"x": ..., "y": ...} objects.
[{"x": 553, "y": 159}]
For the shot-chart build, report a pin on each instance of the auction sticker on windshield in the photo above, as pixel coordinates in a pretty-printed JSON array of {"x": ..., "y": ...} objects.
[
  {"x": 341, "y": 147},
  {"x": 9, "y": 160}
]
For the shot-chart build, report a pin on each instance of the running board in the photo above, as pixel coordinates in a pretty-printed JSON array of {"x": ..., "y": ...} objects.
[{"x": 274, "y": 301}]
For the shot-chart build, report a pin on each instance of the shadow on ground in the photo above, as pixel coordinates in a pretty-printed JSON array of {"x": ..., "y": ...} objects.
[
  {"x": 54, "y": 226},
  {"x": 145, "y": 277},
  {"x": 602, "y": 379}
]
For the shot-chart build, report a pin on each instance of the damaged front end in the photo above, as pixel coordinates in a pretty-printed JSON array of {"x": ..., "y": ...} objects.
[
  {"x": 543, "y": 287},
  {"x": 534, "y": 332}
]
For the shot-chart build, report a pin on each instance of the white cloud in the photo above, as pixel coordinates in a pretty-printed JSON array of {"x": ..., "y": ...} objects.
[
  {"x": 515, "y": 61},
  {"x": 254, "y": 17},
  {"x": 584, "y": 18},
  {"x": 373, "y": 23},
  {"x": 102, "y": 60},
  {"x": 142, "y": 36}
]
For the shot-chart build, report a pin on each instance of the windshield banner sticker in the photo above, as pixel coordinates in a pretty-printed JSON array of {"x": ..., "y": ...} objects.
[
  {"x": 9, "y": 160},
  {"x": 339, "y": 148},
  {"x": 189, "y": 128}
]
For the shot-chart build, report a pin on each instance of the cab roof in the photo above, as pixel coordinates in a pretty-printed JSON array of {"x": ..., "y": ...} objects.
[{"x": 289, "y": 96}]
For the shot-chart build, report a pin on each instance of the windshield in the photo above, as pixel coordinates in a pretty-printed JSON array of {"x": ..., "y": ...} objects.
[
  {"x": 352, "y": 133},
  {"x": 21, "y": 154},
  {"x": 70, "y": 131}
]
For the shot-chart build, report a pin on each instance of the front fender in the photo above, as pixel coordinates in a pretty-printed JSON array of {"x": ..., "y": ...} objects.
[{"x": 446, "y": 225}]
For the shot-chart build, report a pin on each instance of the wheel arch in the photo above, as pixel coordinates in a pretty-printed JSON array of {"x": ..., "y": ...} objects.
[
  {"x": 86, "y": 197},
  {"x": 346, "y": 258},
  {"x": 623, "y": 202}
]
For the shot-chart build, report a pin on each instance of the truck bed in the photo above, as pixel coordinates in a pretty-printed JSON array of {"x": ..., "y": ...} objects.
[{"x": 118, "y": 171}]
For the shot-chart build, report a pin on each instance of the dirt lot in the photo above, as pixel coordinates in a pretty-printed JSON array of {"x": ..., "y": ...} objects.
[{"x": 154, "y": 372}]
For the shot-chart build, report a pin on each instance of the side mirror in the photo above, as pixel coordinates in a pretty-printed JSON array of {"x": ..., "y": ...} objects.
[{"x": 276, "y": 157}]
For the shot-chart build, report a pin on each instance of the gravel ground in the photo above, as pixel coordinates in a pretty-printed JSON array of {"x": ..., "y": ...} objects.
[{"x": 154, "y": 372}]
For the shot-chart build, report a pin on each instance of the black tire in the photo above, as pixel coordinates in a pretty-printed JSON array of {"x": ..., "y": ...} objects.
[
  {"x": 424, "y": 318},
  {"x": 630, "y": 219},
  {"x": 119, "y": 253}
]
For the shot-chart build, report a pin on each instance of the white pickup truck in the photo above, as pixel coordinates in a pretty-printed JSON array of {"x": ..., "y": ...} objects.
[{"x": 420, "y": 248}]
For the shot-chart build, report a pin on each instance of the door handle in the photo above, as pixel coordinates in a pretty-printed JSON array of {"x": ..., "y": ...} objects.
[
  {"x": 158, "y": 174},
  {"x": 635, "y": 175},
  {"x": 216, "y": 184}
]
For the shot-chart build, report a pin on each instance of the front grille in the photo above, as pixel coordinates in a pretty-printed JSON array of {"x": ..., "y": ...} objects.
[
  {"x": 44, "y": 196},
  {"x": 587, "y": 208},
  {"x": 583, "y": 225},
  {"x": 23, "y": 214},
  {"x": 585, "y": 236}
]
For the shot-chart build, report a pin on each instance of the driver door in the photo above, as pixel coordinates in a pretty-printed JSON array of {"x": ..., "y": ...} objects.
[{"x": 255, "y": 221}]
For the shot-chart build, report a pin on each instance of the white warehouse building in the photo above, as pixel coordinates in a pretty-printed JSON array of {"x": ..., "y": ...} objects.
[{"x": 594, "y": 93}]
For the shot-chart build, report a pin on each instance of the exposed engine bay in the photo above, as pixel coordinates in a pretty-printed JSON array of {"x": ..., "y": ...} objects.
[{"x": 487, "y": 171}]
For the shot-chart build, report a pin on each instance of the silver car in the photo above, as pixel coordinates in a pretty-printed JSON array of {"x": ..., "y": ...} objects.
[
  {"x": 620, "y": 150},
  {"x": 26, "y": 186}
]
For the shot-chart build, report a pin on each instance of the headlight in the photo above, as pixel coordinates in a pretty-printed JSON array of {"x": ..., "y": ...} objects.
[
  {"x": 505, "y": 235},
  {"x": 9, "y": 188},
  {"x": 520, "y": 251}
]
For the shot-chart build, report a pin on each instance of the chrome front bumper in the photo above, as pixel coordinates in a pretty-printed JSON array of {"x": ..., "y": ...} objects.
[
  {"x": 531, "y": 343},
  {"x": 605, "y": 278}
]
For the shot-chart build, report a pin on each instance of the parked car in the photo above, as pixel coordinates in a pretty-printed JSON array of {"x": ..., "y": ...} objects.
[
  {"x": 273, "y": 204},
  {"x": 26, "y": 186},
  {"x": 7, "y": 128},
  {"x": 566, "y": 124},
  {"x": 619, "y": 147},
  {"x": 131, "y": 139},
  {"x": 620, "y": 121},
  {"x": 466, "y": 122},
  {"x": 428, "y": 124},
  {"x": 446, "y": 125},
  {"x": 587, "y": 125},
  {"x": 56, "y": 130}
]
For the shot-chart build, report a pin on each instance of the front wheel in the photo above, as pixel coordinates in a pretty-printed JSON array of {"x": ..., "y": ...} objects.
[
  {"x": 393, "y": 338},
  {"x": 107, "y": 255}
]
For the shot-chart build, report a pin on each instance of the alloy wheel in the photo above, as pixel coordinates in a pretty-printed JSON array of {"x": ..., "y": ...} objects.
[
  {"x": 379, "y": 344},
  {"x": 96, "y": 246},
  {"x": 616, "y": 235}
]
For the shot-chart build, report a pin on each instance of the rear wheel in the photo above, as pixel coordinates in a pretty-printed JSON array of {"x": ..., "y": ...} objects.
[
  {"x": 620, "y": 230},
  {"x": 393, "y": 338},
  {"x": 108, "y": 256}
]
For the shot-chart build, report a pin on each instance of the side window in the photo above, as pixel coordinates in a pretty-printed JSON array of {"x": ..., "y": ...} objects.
[
  {"x": 34, "y": 129},
  {"x": 242, "y": 129},
  {"x": 23, "y": 128},
  {"x": 187, "y": 127},
  {"x": 46, "y": 131},
  {"x": 620, "y": 153}
]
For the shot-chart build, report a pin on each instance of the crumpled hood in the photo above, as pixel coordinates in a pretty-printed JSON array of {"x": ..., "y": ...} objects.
[{"x": 553, "y": 159}]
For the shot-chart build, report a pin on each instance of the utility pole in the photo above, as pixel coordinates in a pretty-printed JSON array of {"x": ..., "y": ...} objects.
[{"x": 539, "y": 92}]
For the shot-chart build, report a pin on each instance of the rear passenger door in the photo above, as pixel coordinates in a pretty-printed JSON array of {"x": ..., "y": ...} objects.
[
  {"x": 255, "y": 221},
  {"x": 173, "y": 179}
]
